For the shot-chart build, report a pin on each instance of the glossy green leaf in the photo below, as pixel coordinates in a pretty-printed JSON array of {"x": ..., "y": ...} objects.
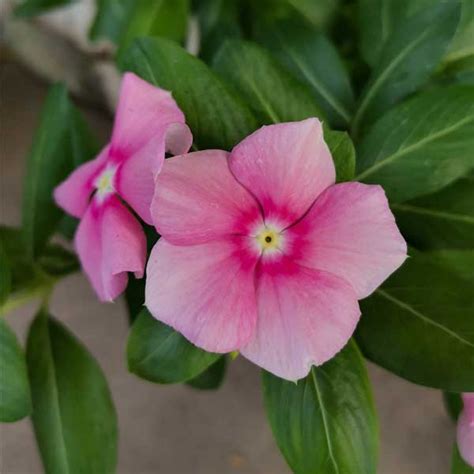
[
  {"x": 269, "y": 90},
  {"x": 419, "y": 325},
  {"x": 453, "y": 403},
  {"x": 326, "y": 422},
  {"x": 5, "y": 275},
  {"x": 407, "y": 59},
  {"x": 158, "y": 353},
  {"x": 378, "y": 19},
  {"x": 458, "y": 466},
  {"x": 15, "y": 400},
  {"x": 35, "y": 7},
  {"x": 313, "y": 60},
  {"x": 62, "y": 142},
  {"x": 422, "y": 145},
  {"x": 216, "y": 116},
  {"x": 441, "y": 220},
  {"x": 73, "y": 414},
  {"x": 218, "y": 20},
  {"x": 343, "y": 153},
  {"x": 212, "y": 377},
  {"x": 57, "y": 261}
]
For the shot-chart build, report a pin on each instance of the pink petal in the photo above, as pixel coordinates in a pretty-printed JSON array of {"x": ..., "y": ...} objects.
[
  {"x": 285, "y": 166},
  {"x": 206, "y": 292},
  {"x": 197, "y": 200},
  {"x": 304, "y": 318},
  {"x": 135, "y": 178},
  {"x": 465, "y": 431},
  {"x": 74, "y": 193},
  {"x": 350, "y": 232},
  {"x": 145, "y": 112},
  {"x": 110, "y": 243}
]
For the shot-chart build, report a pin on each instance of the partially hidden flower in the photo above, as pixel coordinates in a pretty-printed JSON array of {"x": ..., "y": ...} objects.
[
  {"x": 263, "y": 253},
  {"x": 465, "y": 431},
  {"x": 109, "y": 240}
]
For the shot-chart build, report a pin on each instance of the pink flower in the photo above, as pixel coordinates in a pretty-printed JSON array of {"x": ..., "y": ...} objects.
[
  {"x": 109, "y": 240},
  {"x": 263, "y": 253},
  {"x": 465, "y": 432}
]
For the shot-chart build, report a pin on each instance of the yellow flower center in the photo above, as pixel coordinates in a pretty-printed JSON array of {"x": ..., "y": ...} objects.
[
  {"x": 105, "y": 182},
  {"x": 268, "y": 239}
]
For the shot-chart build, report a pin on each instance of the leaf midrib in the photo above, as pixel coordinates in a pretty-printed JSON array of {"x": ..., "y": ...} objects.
[
  {"x": 325, "y": 423},
  {"x": 415, "y": 146},
  {"x": 424, "y": 318},
  {"x": 326, "y": 94},
  {"x": 380, "y": 80}
]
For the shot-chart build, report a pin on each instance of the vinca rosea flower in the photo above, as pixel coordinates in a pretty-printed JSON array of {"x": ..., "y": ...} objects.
[
  {"x": 465, "y": 432},
  {"x": 263, "y": 253},
  {"x": 109, "y": 240}
]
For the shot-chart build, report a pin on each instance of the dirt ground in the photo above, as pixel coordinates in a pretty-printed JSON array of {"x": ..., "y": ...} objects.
[{"x": 174, "y": 429}]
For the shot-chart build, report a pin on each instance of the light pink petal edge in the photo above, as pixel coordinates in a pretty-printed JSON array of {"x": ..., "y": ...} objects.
[
  {"x": 285, "y": 166},
  {"x": 204, "y": 292},
  {"x": 305, "y": 317},
  {"x": 350, "y": 232}
]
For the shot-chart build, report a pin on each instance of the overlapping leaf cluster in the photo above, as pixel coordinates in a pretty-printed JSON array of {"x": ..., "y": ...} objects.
[{"x": 394, "y": 82}]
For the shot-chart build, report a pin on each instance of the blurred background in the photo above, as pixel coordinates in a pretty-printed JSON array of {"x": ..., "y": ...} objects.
[{"x": 163, "y": 429}]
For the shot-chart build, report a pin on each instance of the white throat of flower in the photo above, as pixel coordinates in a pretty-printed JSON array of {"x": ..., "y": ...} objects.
[{"x": 105, "y": 182}]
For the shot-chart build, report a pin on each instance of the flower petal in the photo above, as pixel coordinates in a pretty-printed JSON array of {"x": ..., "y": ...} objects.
[
  {"x": 206, "y": 292},
  {"x": 110, "y": 242},
  {"x": 465, "y": 430},
  {"x": 74, "y": 193},
  {"x": 198, "y": 200},
  {"x": 285, "y": 166},
  {"x": 135, "y": 178},
  {"x": 305, "y": 317},
  {"x": 145, "y": 112},
  {"x": 350, "y": 232}
]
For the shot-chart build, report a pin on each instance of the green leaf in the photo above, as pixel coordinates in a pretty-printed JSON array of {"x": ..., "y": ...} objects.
[
  {"x": 422, "y": 145},
  {"x": 111, "y": 19},
  {"x": 441, "y": 220},
  {"x": 15, "y": 400},
  {"x": 462, "y": 45},
  {"x": 453, "y": 403},
  {"x": 313, "y": 60},
  {"x": 378, "y": 19},
  {"x": 269, "y": 90},
  {"x": 62, "y": 142},
  {"x": 166, "y": 18},
  {"x": 27, "y": 278},
  {"x": 407, "y": 60},
  {"x": 218, "y": 20},
  {"x": 5, "y": 275},
  {"x": 419, "y": 325},
  {"x": 212, "y": 377},
  {"x": 326, "y": 422},
  {"x": 458, "y": 466},
  {"x": 343, "y": 153},
  {"x": 73, "y": 414},
  {"x": 35, "y": 7},
  {"x": 458, "y": 261},
  {"x": 158, "y": 353},
  {"x": 57, "y": 261},
  {"x": 216, "y": 116},
  {"x": 31, "y": 278}
]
